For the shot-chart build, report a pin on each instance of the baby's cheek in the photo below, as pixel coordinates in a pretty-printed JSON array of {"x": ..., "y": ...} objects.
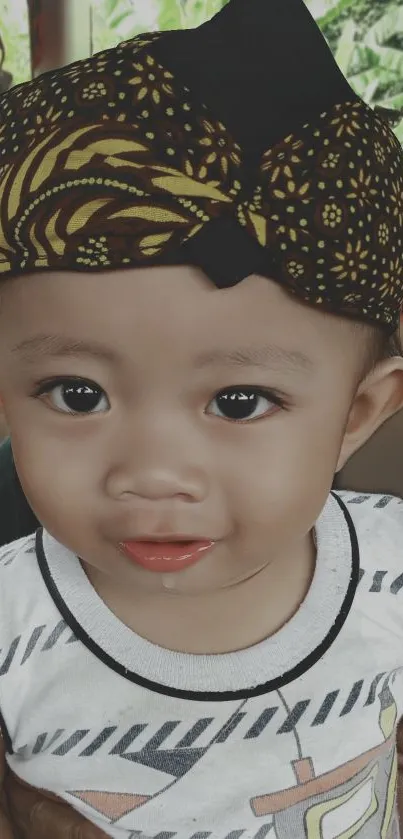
[
  {"x": 284, "y": 489},
  {"x": 59, "y": 489}
]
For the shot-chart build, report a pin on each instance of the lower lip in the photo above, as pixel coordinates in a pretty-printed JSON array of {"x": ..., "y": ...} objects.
[{"x": 166, "y": 557}]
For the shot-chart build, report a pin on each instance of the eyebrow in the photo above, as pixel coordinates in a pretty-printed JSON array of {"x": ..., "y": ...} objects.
[
  {"x": 265, "y": 356},
  {"x": 269, "y": 355},
  {"x": 56, "y": 346}
]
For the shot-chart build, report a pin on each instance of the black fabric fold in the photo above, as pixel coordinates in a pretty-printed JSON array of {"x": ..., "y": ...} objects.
[{"x": 262, "y": 66}]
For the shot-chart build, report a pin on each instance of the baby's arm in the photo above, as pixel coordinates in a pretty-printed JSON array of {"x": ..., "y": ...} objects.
[
  {"x": 5, "y": 826},
  {"x": 36, "y": 815}
]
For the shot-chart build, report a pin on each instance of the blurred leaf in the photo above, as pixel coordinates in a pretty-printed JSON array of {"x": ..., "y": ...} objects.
[
  {"x": 109, "y": 8},
  {"x": 327, "y": 13},
  {"x": 366, "y": 57},
  {"x": 386, "y": 27},
  {"x": 365, "y": 84},
  {"x": 14, "y": 32},
  {"x": 214, "y": 6},
  {"x": 116, "y": 20},
  {"x": 194, "y": 13},
  {"x": 170, "y": 15},
  {"x": 394, "y": 102},
  {"x": 391, "y": 60},
  {"x": 346, "y": 46}
]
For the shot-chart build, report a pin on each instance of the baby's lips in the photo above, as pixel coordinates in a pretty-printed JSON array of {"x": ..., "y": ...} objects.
[{"x": 166, "y": 557}]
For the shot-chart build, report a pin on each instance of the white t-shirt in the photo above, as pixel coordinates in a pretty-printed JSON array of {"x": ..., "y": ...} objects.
[{"x": 294, "y": 737}]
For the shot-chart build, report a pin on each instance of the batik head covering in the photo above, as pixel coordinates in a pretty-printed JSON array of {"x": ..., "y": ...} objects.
[{"x": 237, "y": 147}]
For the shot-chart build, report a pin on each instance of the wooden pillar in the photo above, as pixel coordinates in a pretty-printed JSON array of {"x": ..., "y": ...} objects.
[{"x": 60, "y": 33}]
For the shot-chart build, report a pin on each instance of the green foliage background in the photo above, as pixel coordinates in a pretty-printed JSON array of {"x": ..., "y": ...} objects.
[{"x": 366, "y": 36}]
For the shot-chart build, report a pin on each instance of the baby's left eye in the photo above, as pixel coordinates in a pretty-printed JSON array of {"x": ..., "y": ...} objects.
[
  {"x": 75, "y": 396},
  {"x": 243, "y": 404}
]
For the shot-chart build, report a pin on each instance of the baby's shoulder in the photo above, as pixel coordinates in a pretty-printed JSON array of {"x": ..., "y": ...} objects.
[
  {"x": 372, "y": 508},
  {"x": 18, "y": 579},
  {"x": 29, "y": 617},
  {"x": 378, "y": 524},
  {"x": 14, "y": 554}
]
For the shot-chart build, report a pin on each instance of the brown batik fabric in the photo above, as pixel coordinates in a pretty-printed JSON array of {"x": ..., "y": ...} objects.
[{"x": 109, "y": 163}]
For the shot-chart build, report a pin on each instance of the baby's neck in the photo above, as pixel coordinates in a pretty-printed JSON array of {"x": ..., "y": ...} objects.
[{"x": 229, "y": 620}]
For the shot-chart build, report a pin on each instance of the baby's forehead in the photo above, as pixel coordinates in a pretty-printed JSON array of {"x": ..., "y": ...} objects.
[{"x": 174, "y": 313}]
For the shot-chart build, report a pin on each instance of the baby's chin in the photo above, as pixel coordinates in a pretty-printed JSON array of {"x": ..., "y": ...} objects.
[{"x": 201, "y": 580}]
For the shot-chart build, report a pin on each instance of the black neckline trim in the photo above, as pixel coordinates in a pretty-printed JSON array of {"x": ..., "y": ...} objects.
[{"x": 211, "y": 696}]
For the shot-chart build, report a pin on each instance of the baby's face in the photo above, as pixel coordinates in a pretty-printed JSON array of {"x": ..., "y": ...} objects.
[{"x": 147, "y": 402}]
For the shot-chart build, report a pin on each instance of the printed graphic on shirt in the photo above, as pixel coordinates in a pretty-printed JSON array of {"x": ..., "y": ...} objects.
[
  {"x": 354, "y": 799},
  {"x": 342, "y": 803}
]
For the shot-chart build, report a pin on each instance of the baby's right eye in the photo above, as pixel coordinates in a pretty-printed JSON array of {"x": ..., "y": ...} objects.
[
  {"x": 74, "y": 396},
  {"x": 245, "y": 404}
]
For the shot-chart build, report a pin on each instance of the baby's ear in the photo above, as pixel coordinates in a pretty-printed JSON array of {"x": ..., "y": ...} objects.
[{"x": 379, "y": 397}]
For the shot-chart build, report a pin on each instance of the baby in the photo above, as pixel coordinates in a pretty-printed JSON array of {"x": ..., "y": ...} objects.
[{"x": 200, "y": 249}]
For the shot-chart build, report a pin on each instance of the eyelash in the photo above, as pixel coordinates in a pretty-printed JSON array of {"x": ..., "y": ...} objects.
[
  {"x": 46, "y": 385},
  {"x": 276, "y": 398}
]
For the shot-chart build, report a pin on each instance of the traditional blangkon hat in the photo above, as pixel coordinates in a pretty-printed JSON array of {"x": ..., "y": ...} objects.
[{"x": 237, "y": 147}]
